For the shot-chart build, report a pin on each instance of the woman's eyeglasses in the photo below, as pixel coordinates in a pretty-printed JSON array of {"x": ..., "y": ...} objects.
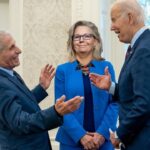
[{"x": 84, "y": 37}]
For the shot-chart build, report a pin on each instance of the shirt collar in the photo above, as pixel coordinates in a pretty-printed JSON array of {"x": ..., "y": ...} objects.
[
  {"x": 137, "y": 35},
  {"x": 10, "y": 72},
  {"x": 79, "y": 65}
]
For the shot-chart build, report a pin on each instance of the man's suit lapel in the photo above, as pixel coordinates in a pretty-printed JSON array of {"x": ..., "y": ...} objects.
[
  {"x": 21, "y": 86},
  {"x": 133, "y": 51},
  {"x": 126, "y": 63}
]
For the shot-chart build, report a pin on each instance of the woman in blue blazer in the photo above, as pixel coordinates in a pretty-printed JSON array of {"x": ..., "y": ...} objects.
[{"x": 87, "y": 127}]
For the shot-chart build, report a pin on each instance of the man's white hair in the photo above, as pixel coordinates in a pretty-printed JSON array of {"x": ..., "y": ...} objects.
[
  {"x": 132, "y": 6},
  {"x": 2, "y": 35}
]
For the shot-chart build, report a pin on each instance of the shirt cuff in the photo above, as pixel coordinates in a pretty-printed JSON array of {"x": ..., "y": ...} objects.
[{"x": 112, "y": 88}]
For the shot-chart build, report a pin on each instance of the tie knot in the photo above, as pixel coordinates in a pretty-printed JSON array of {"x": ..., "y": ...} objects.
[{"x": 129, "y": 51}]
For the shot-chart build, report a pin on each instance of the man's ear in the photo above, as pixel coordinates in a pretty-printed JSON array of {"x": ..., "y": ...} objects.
[{"x": 131, "y": 18}]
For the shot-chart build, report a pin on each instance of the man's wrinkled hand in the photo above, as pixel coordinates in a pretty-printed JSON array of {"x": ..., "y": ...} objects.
[
  {"x": 64, "y": 107},
  {"x": 115, "y": 141},
  {"x": 101, "y": 81},
  {"x": 47, "y": 74}
]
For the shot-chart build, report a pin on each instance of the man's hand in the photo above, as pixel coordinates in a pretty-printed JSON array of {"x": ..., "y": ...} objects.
[
  {"x": 47, "y": 74},
  {"x": 101, "y": 81},
  {"x": 115, "y": 141},
  {"x": 65, "y": 107}
]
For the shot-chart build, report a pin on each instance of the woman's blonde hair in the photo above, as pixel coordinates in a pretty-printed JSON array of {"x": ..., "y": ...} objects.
[{"x": 98, "y": 48}]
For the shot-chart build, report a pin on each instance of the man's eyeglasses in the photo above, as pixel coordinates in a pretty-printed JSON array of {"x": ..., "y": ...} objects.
[{"x": 84, "y": 37}]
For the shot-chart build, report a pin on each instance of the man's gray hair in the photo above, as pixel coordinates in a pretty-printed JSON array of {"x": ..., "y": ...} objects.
[
  {"x": 132, "y": 6},
  {"x": 2, "y": 35}
]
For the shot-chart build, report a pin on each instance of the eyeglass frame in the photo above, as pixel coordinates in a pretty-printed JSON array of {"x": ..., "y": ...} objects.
[{"x": 85, "y": 36}]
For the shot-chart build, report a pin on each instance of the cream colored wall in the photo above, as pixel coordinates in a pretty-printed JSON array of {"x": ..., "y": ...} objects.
[
  {"x": 4, "y": 14},
  {"x": 40, "y": 29},
  {"x": 86, "y": 10},
  {"x": 16, "y": 26}
]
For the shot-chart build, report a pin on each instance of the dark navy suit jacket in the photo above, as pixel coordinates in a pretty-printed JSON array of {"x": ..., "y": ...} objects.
[
  {"x": 133, "y": 93},
  {"x": 23, "y": 125}
]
